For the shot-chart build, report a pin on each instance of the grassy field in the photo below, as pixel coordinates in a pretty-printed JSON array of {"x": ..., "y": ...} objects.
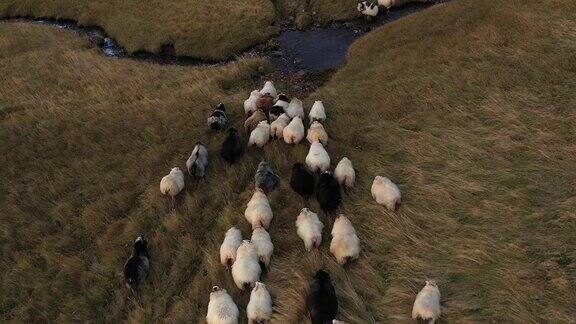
[
  {"x": 468, "y": 106},
  {"x": 212, "y": 30}
]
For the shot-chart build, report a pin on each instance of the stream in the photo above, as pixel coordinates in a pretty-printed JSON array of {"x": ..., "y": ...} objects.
[{"x": 315, "y": 50}]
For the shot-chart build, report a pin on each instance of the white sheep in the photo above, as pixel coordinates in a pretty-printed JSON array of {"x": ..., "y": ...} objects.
[
  {"x": 263, "y": 243},
  {"x": 386, "y": 193},
  {"x": 172, "y": 183},
  {"x": 317, "y": 133},
  {"x": 295, "y": 108},
  {"x": 246, "y": 269},
  {"x": 427, "y": 303},
  {"x": 221, "y": 308},
  {"x": 260, "y": 135},
  {"x": 317, "y": 158},
  {"x": 232, "y": 241},
  {"x": 317, "y": 112},
  {"x": 270, "y": 89},
  {"x": 294, "y": 132},
  {"x": 345, "y": 174},
  {"x": 259, "y": 309},
  {"x": 368, "y": 9},
  {"x": 345, "y": 245},
  {"x": 277, "y": 126},
  {"x": 250, "y": 103},
  {"x": 309, "y": 229},
  {"x": 258, "y": 211}
]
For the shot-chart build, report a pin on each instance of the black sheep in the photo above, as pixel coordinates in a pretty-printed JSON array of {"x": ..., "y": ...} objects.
[
  {"x": 302, "y": 181},
  {"x": 137, "y": 267},
  {"x": 232, "y": 147},
  {"x": 328, "y": 193},
  {"x": 322, "y": 301},
  {"x": 218, "y": 119}
]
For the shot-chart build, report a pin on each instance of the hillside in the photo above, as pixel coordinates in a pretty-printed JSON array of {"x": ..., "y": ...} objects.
[
  {"x": 468, "y": 106},
  {"x": 211, "y": 30}
]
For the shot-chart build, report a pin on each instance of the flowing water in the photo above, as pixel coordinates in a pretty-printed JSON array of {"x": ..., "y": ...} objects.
[{"x": 314, "y": 50}]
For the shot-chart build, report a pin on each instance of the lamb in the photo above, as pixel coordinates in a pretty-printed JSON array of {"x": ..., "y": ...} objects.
[
  {"x": 264, "y": 247},
  {"x": 221, "y": 308},
  {"x": 317, "y": 112},
  {"x": 137, "y": 267},
  {"x": 173, "y": 183},
  {"x": 265, "y": 103},
  {"x": 265, "y": 178},
  {"x": 260, "y": 135},
  {"x": 250, "y": 103},
  {"x": 345, "y": 245},
  {"x": 317, "y": 159},
  {"x": 270, "y": 89},
  {"x": 345, "y": 174},
  {"x": 317, "y": 133},
  {"x": 246, "y": 270},
  {"x": 258, "y": 212},
  {"x": 253, "y": 121},
  {"x": 279, "y": 107},
  {"x": 295, "y": 108},
  {"x": 231, "y": 149},
  {"x": 302, "y": 181},
  {"x": 427, "y": 303},
  {"x": 309, "y": 229},
  {"x": 232, "y": 241},
  {"x": 218, "y": 119},
  {"x": 386, "y": 193},
  {"x": 198, "y": 160},
  {"x": 322, "y": 302},
  {"x": 328, "y": 193},
  {"x": 259, "y": 309},
  {"x": 368, "y": 9},
  {"x": 294, "y": 132},
  {"x": 277, "y": 126}
]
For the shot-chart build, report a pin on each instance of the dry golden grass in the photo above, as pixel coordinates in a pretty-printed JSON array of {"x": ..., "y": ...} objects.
[
  {"x": 467, "y": 106},
  {"x": 213, "y": 30}
]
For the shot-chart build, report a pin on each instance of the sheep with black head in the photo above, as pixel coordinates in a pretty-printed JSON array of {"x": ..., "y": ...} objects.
[
  {"x": 328, "y": 193},
  {"x": 302, "y": 181},
  {"x": 322, "y": 301},
  {"x": 231, "y": 149},
  {"x": 137, "y": 267},
  {"x": 218, "y": 120}
]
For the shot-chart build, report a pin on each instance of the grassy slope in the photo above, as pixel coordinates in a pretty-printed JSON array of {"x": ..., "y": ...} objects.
[
  {"x": 213, "y": 29},
  {"x": 468, "y": 109},
  {"x": 83, "y": 141}
]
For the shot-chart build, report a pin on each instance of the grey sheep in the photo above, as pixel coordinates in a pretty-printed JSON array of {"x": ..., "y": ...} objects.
[{"x": 265, "y": 178}]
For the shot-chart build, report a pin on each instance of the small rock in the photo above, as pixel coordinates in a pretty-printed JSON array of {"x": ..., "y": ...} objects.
[{"x": 303, "y": 20}]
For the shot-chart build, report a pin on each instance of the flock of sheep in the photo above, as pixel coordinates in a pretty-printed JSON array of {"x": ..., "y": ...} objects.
[{"x": 248, "y": 258}]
